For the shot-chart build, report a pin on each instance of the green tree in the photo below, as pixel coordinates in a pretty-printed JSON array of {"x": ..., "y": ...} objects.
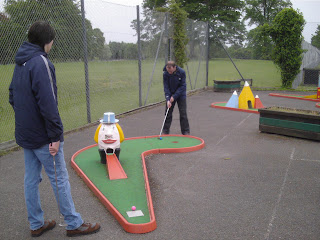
[
  {"x": 64, "y": 16},
  {"x": 180, "y": 39},
  {"x": 315, "y": 40},
  {"x": 240, "y": 52},
  {"x": 131, "y": 51},
  {"x": 96, "y": 46},
  {"x": 122, "y": 50},
  {"x": 286, "y": 33},
  {"x": 11, "y": 36},
  {"x": 259, "y": 13},
  {"x": 223, "y": 15},
  {"x": 117, "y": 50},
  {"x": 151, "y": 26},
  {"x": 196, "y": 34},
  {"x": 260, "y": 43},
  {"x": 106, "y": 53}
]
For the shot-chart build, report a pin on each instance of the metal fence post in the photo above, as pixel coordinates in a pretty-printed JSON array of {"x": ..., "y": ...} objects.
[
  {"x": 139, "y": 55},
  {"x": 166, "y": 35},
  {"x": 169, "y": 47},
  {"x": 207, "y": 56},
  {"x": 85, "y": 59}
]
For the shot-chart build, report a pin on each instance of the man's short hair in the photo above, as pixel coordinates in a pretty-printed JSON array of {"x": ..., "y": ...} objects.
[
  {"x": 171, "y": 64},
  {"x": 41, "y": 33}
]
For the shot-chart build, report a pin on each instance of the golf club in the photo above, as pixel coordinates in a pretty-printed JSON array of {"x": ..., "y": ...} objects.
[
  {"x": 163, "y": 122},
  {"x": 61, "y": 221}
]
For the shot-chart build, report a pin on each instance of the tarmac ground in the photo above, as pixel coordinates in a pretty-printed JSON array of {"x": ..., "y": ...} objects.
[{"x": 242, "y": 185}]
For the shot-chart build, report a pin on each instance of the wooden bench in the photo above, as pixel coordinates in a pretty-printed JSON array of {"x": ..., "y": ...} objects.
[
  {"x": 226, "y": 86},
  {"x": 248, "y": 80}
]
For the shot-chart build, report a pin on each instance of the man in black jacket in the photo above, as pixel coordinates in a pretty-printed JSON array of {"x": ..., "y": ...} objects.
[
  {"x": 175, "y": 90},
  {"x": 39, "y": 131}
]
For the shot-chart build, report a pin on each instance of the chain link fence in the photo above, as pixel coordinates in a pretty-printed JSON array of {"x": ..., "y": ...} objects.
[
  {"x": 110, "y": 57},
  {"x": 106, "y": 77}
]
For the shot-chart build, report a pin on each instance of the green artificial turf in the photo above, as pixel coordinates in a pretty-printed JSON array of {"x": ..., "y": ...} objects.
[{"x": 125, "y": 193}]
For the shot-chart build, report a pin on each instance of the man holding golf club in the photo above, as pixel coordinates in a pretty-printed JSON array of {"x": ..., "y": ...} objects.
[
  {"x": 175, "y": 90},
  {"x": 39, "y": 131}
]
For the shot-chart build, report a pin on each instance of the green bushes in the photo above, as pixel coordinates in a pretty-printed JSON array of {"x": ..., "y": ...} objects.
[
  {"x": 286, "y": 33},
  {"x": 180, "y": 39}
]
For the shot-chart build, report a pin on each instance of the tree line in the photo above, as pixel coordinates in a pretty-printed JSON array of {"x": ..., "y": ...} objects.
[
  {"x": 65, "y": 16},
  {"x": 228, "y": 18}
]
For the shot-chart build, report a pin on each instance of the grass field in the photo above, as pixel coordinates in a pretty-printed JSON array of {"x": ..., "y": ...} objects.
[
  {"x": 264, "y": 73},
  {"x": 114, "y": 86}
]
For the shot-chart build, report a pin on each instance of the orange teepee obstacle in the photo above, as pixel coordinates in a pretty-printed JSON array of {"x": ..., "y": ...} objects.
[{"x": 257, "y": 103}]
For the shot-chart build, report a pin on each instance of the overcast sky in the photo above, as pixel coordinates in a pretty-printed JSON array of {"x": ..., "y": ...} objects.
[
  {"x": 114, "y": 20},
  {"x": 310, "y": 10}
]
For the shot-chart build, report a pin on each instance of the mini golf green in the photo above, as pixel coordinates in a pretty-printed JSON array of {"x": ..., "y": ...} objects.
[
  {"x": 222, "y": 105},
  {"x": 120, "y": 195},
  {"x": 292, "y": 96}
]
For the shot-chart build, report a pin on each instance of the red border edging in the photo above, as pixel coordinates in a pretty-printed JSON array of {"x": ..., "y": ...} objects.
[
  {"x": 318, "y": 105},
  {"x": 129, "y": 227},
  {"x": 213, "y": 105},
  {"x": 293, "y": 97}
]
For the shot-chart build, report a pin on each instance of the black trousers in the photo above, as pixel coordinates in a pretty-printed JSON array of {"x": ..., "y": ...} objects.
[{"x": 184, "y": 123}]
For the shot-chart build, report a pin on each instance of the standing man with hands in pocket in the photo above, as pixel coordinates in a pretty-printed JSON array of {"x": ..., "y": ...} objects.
[
  {"x": 175, "y": 90},
  {"x": 39, "y": 131}
]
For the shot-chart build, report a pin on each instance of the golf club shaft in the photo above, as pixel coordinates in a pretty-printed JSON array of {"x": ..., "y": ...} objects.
[{"x": 164, "y": 121}]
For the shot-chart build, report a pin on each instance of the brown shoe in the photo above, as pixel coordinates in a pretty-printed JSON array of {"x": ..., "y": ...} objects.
[
  {"x": 84, "y": 229},
  {"x": 48, "y": 225}
]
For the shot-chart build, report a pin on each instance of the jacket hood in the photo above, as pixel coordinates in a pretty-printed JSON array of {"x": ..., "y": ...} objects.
[{"x": 28, "y": 51}]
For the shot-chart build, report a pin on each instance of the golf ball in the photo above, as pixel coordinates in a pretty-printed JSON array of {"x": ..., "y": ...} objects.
[
  {"x": 133, "y": 208},
  {"x": 160, "y": 138}
]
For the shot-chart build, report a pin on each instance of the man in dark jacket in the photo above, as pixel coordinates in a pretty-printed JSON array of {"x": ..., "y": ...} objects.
[
  {"x": 175, "y": 90},
  {"x": 39, "y": 131}
]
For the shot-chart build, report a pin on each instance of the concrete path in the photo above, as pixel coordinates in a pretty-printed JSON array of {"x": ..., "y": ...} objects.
[{"x": 243, "y": 185}]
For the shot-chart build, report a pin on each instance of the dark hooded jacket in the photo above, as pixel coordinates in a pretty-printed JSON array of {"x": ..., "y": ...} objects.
[
  {"x": 175, "y": 84},
  {"x": 33, "y": 96}
]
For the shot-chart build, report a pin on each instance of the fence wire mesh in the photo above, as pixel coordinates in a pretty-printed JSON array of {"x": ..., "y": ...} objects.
[
  {"x": 112, "y": 53},
  {"x": 113, "y": 78}
]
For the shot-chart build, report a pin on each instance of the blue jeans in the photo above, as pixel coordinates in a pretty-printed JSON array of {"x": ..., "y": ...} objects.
[{"x": 34, "y": 159}]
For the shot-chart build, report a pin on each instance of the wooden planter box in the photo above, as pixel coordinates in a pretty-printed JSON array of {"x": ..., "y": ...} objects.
[
  {"x": 226, "y": 86},
  {"x": 290, "y": 122}
]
